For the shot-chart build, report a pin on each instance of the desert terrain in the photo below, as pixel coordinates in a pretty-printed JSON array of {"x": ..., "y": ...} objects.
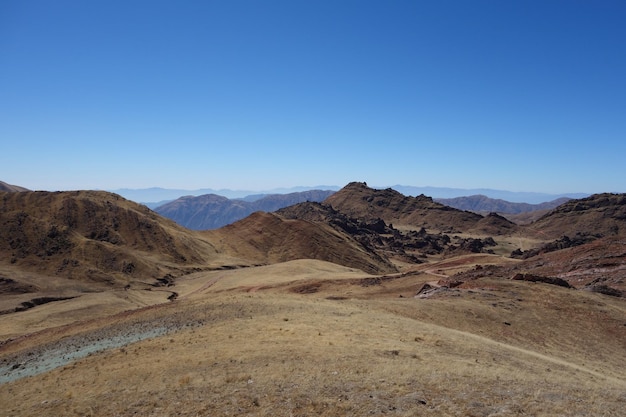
[{"x": 370, "y": 303}]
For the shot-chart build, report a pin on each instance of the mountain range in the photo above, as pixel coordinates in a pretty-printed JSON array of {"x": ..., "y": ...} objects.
[
  {"x": 157, "y": 196},
  {"x": 483, "y": 204},
  {"x": 102, "y": 238},
  {"x": 212, "y": 211},
  {"x": 369, "y": 301},
  {"x": 154, "y": 197}
]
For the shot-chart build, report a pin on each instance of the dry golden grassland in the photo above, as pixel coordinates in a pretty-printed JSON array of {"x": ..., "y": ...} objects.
[{"x": 311, "y": 338}]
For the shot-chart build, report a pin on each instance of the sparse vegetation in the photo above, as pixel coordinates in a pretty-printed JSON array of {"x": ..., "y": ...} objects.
[{"x": 254, "y": 329}]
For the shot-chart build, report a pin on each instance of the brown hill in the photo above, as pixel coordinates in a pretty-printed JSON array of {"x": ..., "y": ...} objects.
[
  {"x": 599, "y": 215},
  {"x": 360, "y": 201},
  {"x": 269, "y": 238},
  {"x": 494, "y": 224},
  {"x": 95, "y": 236},
  {"x": 11, "y": 188}
]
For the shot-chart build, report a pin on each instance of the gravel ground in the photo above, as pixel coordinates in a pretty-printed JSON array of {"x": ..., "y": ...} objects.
[{"x": 45, "y": 357}]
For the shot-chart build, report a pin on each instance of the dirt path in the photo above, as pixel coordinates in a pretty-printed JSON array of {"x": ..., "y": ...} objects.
[
  {"x": 206, "y": 286},
  {"x": 436, "y": 274},
  {"x": 537, "y": 355}
]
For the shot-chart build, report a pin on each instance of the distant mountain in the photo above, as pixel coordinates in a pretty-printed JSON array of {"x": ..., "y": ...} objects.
[
  {"x": 11, "y": 188},
  {"x": 151, "y": 196},
  {"x": 212, "y": 211},
  {"x": 483, "y": 204},
  {"x": 516, "y": 197}
]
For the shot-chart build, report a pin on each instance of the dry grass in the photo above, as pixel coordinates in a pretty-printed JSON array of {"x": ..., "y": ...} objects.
[{"x": 365, "y": 351}]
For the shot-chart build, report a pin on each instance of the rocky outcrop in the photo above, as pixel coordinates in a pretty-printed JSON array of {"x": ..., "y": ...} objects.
[
  {"x": 538, "y": 278},
  {"x": 558, "y": 244},
  {"x": 374, "y": 234},
  {"x": 606, "y": 290}
]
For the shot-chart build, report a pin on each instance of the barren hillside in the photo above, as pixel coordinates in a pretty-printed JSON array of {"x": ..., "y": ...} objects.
[
  {"x": 599, "y": 214},
  {"x": 63, "y": 245},
  {"x": 360, "y": 201},
  {"x": 319, "y": 309},
  {"x": 94, "y": 235},
  {"x": 269, "y": 238}
]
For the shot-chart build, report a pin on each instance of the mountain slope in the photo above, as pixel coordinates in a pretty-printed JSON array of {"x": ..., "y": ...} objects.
[
  {"x": 213, "y": 211},
  {"x": 359, "y": 201},
  {"x": 11, "y": 188},
  {"x": 599, "y": 214},
  {"x": 95, "y": 236},
  {"x": 268, "y": 238}
]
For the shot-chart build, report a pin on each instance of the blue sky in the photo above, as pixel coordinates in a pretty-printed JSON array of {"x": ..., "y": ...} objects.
[{"x": 514, "y": 95}]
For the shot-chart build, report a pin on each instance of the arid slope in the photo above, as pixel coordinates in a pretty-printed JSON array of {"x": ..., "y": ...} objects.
[
  {"x": 360, "y": 201},
  {"x": 307, "y": 332},
  {"x": 94, "y": 235},
  {"x": 65, "y": 247},
  {"x": 599, "y": 214},
  {"x": 269, "y": 238}
]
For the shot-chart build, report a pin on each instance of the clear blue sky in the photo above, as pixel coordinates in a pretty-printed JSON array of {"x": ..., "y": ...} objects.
[{"x": 516, "y": 95}]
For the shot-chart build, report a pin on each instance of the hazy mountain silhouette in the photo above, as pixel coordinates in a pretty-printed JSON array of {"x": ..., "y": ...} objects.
[
  {"x": 483, "y": 204},
  {"x": 212, "y": 211}
]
